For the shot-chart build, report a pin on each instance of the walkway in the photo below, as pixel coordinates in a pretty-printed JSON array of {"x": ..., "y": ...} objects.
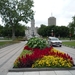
[
  {"x": 71, "y": 72},
  {"x": 8, "y": 55}
]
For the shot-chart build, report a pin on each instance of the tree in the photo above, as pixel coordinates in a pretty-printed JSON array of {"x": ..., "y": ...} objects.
[
  {"x": 72, "y": 26},
  {"x": 20, "y": 30},
  {"x": 63, "y": 31},
  {"x": 1, "y": 30},
  {"x": 53, "y": 31},
  {"x": 42, "y": 31},
  {"x": 14, "y": 11}
]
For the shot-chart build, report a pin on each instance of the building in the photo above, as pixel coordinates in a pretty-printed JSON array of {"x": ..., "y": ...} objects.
[{"x": 51, "y": 21}]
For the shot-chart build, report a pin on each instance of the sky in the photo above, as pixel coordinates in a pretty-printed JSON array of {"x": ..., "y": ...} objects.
[{"x": 62, "y": 10}]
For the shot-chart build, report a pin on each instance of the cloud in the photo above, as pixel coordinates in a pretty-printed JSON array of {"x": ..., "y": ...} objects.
[{"x": 63, "y": 10}]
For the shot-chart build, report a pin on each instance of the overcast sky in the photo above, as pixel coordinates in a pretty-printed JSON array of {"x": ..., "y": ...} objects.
[{"x": 63, "y": 10}]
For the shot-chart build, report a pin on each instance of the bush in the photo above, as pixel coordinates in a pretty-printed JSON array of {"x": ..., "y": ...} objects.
[{"x": 37, "y": 43}]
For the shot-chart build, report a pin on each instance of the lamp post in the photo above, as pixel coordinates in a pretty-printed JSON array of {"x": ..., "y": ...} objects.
[
  {"x": 70, "y": 36},
  {"x": 74, "y": 30},
  {"x": 52, "y": 33}
]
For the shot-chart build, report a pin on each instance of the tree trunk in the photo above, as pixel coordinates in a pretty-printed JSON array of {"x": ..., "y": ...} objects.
[{"x": 13, "y": 32}]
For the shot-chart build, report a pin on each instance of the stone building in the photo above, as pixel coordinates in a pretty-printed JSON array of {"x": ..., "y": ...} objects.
[{"x": 51, "y": 21}]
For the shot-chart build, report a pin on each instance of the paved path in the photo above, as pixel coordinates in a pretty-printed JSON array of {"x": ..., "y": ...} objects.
[
  {"x": 71, "y": 72},
  {"x": 10, "y": 53}
]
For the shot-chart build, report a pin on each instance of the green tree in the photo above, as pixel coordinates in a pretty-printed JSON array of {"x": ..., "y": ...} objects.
[
  {"x": 1, "y": 30},
  {"x": 64, "y": 31},
  {"x": 14, "y": 11},
  {"x": 20, "y": 30},
  {"x": 57, "y": 31},
  {"x": 42, "y": 31},
  {"x": 72, "y": 26}
]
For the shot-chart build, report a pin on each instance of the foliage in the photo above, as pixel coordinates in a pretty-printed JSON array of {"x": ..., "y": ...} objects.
[
  {"x": 61, "y": 31},
  {"x": 44, "y": 58},
  {"x": 36, "y": 42},
  {"x": 14, "y": 11},
  {"x": 51, "y": 61},
  {"x": 6, "y": 31},
  {"x": 42, "y": 31},
  {"x": 71, "y": 26},
  {"x": 24, "y": 52},
  {"x": 1, "y": 30}
]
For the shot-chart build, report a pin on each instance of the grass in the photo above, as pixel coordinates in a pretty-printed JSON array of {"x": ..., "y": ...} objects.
[
  {"x": 24, "y": 52},
  {"x": 7, "y": 42},
  {"x": 69, "y": 43},
  {"x": 64, "y": 38}
]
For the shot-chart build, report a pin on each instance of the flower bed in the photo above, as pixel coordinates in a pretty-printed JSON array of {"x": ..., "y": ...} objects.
[{"x": 42, "y": 56}]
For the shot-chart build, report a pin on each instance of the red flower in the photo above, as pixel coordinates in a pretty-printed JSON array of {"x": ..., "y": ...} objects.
[
  {"x": 27, "y": 48},
  {"x": 28, "y": 60}
]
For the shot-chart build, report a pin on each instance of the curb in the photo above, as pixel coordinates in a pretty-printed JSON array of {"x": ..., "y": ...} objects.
[{"x": 39, "y": 69}]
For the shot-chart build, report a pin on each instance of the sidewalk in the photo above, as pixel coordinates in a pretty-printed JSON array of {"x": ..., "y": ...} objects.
[
  {"x": 8, "y": 55},
  {"x": 71, "y": 72}
]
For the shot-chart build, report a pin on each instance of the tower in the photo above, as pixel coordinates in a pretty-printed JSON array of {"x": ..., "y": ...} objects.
[{"x": 51, "y": 20}]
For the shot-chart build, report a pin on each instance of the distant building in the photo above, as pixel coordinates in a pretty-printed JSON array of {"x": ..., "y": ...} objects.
[{"x": 51, "y": 21}]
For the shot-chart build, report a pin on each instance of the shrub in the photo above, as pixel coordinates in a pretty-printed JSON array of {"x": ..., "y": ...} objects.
[{"x": 37, "y": 43}]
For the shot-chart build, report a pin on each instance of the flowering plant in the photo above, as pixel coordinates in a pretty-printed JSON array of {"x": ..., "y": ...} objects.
[
  {"x": 51, "y": 61},
  {"x": 42, "y": 56},
  {"x": 48, "y": 57}
]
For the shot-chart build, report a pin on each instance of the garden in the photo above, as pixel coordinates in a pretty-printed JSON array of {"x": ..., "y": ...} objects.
[{"x": 38, "y": 54}]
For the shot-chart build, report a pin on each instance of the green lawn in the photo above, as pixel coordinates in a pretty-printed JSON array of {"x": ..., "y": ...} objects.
[
  {"x": 69, "y": 43},
  {"x": 7, "y": 42}
]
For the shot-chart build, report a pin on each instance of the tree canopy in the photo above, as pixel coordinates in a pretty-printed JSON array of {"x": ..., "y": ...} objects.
[
  {"x": 14, "y": 11},
  {"x": 72, "y": 27},
  {"x": 61, "y": 31}
]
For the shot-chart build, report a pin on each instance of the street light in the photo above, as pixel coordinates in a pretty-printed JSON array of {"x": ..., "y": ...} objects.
[
  {"x": 70, "y": 35},
  {"x": 52, "y": 32},
  {"x": 74, "y": 30}
]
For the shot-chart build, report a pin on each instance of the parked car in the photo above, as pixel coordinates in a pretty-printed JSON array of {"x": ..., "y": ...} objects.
[
  {"x": 54, "y": 41},
  {"x": 1, "y": 38}
]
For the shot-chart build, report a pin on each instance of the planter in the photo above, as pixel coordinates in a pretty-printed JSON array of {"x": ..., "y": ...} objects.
[{"x": 39, "y": 69}]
